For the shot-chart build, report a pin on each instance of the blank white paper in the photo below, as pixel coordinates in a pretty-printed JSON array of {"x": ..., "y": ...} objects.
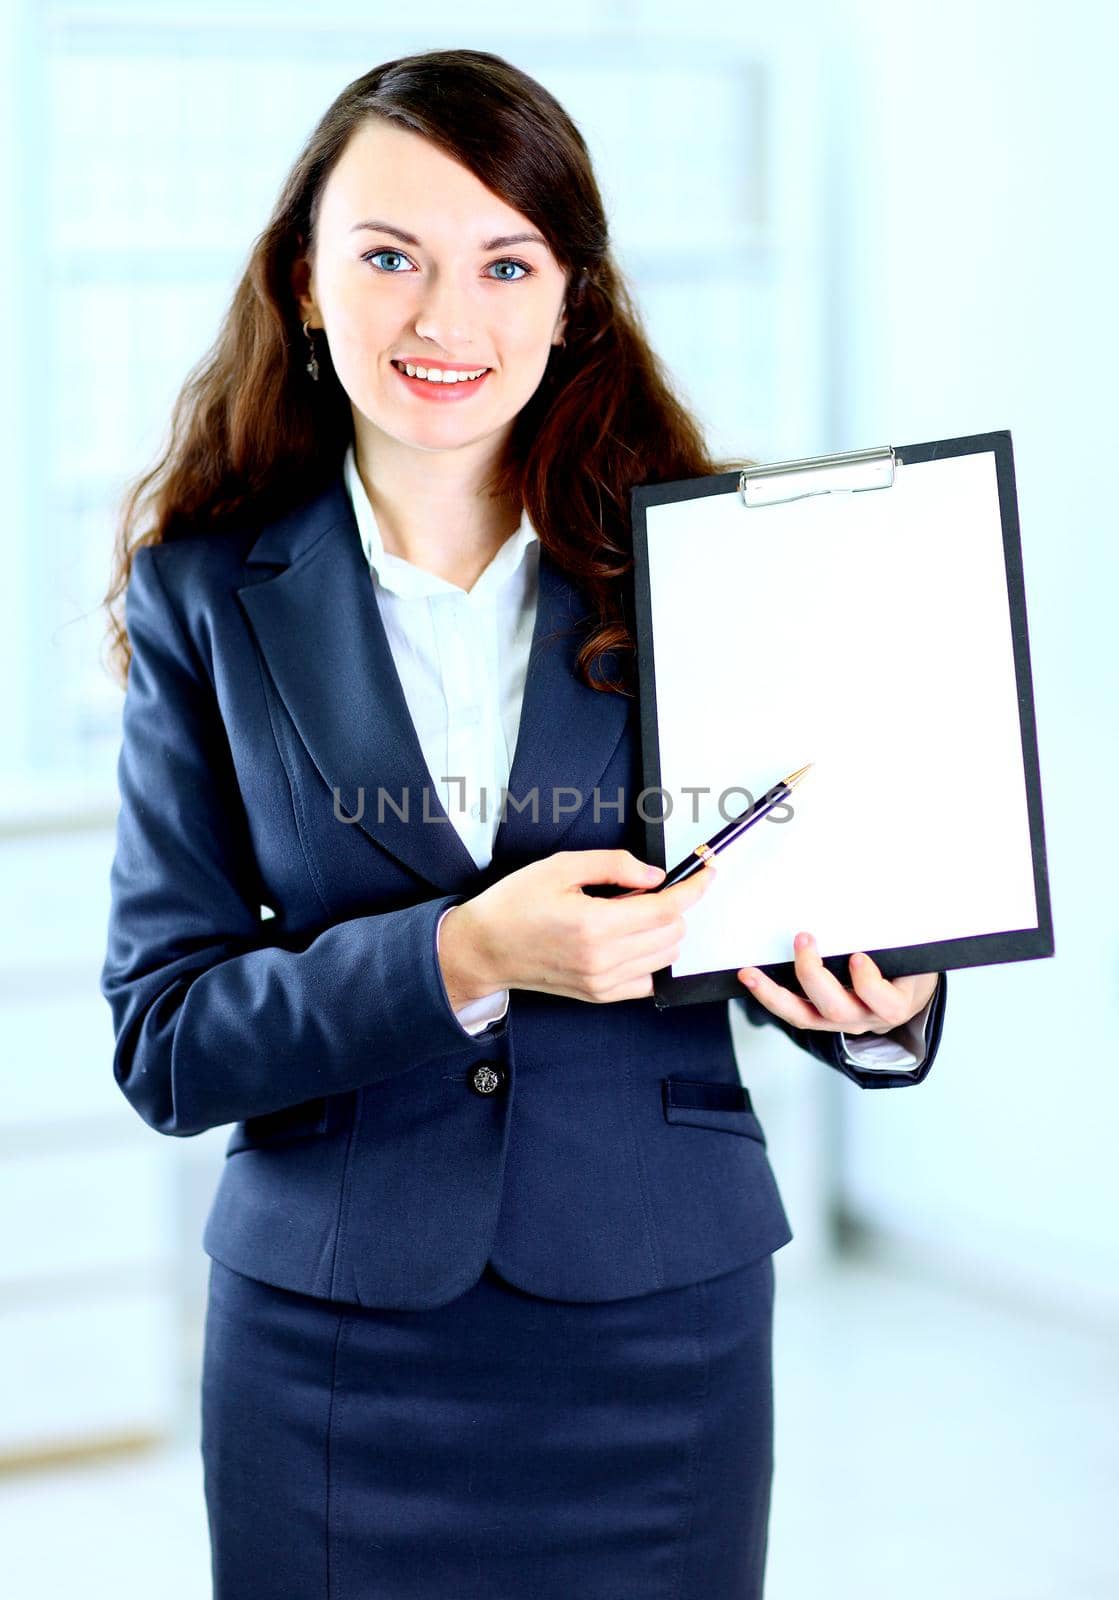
[{"x": 868, "y": 633}]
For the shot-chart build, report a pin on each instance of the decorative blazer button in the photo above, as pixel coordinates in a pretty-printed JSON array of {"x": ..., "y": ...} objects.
[{"x": 486, "y": 1078}]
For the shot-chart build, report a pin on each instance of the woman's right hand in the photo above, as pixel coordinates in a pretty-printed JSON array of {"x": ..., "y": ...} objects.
[{"x": 536, "y": 929}]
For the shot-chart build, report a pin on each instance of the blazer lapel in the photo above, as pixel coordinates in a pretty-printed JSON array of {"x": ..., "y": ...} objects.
[
  {"x": 566, "y": 735},
  {"x": 318, "y": 627}
]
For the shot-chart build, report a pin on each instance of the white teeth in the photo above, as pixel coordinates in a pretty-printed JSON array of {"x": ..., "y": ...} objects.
[{"x": 437, "y": 375}]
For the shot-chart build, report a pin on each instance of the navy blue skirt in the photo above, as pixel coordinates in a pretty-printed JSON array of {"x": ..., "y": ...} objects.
[{"x": 501, "y": 1446}]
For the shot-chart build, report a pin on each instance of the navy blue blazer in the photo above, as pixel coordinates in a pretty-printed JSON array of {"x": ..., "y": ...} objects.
[{"x": 618, "y": 1154}]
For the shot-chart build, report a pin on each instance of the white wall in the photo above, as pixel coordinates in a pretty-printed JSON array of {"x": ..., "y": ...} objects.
[{"x": 976, "y": 280}]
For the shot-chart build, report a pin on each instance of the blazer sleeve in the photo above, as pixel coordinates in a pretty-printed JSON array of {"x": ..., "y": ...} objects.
[
  {"x": 214, "y": 1021},
  {"x": 829, "y": 1048}
]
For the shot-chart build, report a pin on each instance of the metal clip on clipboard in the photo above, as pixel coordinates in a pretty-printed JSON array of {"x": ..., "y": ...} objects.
[{"x": 853, "y": 470}]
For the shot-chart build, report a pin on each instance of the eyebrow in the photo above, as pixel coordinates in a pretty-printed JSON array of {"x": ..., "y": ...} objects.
[{"x": 502, "y": 240}]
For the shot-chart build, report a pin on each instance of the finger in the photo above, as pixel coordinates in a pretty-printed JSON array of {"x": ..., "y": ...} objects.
[
  {"x": 891, "y": 1002},
  {"x": 894, "y": 1000},
  {"x": 925, "y": 985},
  {"x": 633, "y": 971},
  {"x": 684, "y": 897},
  {"x": 834, "y": 1003},
  {"x": 642, "y": 946},
  {"x": 646, "y": 912},
  {"x": 603, "y": 866},
  {"x": 782, "y": 1002}
]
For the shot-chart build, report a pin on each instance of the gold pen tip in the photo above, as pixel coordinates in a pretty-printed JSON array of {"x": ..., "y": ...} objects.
[{"x": 791, "y": 781}]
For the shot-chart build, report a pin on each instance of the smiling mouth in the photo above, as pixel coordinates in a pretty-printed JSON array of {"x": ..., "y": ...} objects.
[{"x": 438, "y": 375}]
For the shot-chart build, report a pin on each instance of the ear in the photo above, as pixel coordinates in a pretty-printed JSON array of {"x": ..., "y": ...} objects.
[
  {"x": 560, "y": 328},
  {"x": 302, "y": 289}
]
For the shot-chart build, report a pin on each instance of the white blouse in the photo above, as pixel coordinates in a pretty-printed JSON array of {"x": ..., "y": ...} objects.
[{"x": 462, "y": 657}]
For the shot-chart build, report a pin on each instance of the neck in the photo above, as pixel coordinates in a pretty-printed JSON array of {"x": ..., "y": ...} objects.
[{"x": 431, "y": 509}]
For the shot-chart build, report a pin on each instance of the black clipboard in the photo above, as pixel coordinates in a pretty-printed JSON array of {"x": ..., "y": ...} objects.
[{"x": 835, "y": 484}]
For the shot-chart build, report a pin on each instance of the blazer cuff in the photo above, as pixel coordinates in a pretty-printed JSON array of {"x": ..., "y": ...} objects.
[
  {"x": 923, "y": 1036},
  {"x": 903, "y": 1046}
]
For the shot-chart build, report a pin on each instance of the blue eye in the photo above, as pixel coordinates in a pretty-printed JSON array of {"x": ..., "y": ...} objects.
[
  {"x": 373, "y": 254},
  {"x": 523, "y": 268},
  {"x": 509, "y": 263}
]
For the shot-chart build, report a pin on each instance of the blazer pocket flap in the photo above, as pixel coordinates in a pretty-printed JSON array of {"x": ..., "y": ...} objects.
[
  {"x": 703, "y": 1104},
  {"x": 291, "y": 1122}
]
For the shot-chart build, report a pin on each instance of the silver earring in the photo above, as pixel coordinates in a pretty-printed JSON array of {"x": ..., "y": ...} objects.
[{"x": 313, "y": 364}]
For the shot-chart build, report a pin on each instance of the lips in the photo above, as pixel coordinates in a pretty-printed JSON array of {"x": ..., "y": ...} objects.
[{"x": 443, "y": 393}]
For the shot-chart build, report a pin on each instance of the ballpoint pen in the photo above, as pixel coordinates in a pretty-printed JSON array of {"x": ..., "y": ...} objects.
[{"x": 719, "y": 841}]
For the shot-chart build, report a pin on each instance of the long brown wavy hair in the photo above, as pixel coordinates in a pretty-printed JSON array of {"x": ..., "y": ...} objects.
[{"x": 250, "y": 433}]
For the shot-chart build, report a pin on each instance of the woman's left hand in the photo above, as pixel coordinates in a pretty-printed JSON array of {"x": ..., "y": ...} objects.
[{"x": 877, "y": 1005}]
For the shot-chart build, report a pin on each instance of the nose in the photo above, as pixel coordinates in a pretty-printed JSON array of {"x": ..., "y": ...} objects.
[{"x": 444, "y": 315}]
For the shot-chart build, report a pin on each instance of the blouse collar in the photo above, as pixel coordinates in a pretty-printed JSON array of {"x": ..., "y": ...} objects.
[{"x": 402, "y": 577}]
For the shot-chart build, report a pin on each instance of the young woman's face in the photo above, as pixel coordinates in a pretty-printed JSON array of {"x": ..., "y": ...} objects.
[{"x": 417, "y": 261}]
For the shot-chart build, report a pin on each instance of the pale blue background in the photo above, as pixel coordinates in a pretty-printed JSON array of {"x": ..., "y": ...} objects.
[{"x": 849, "y": 224}]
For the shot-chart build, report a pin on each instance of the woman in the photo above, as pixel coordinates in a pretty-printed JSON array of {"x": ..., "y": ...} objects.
[{"x": 491, "y": 1281}]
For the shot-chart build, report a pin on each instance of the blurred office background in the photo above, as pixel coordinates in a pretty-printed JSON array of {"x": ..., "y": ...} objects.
[{"x": 848, "y": 224}]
